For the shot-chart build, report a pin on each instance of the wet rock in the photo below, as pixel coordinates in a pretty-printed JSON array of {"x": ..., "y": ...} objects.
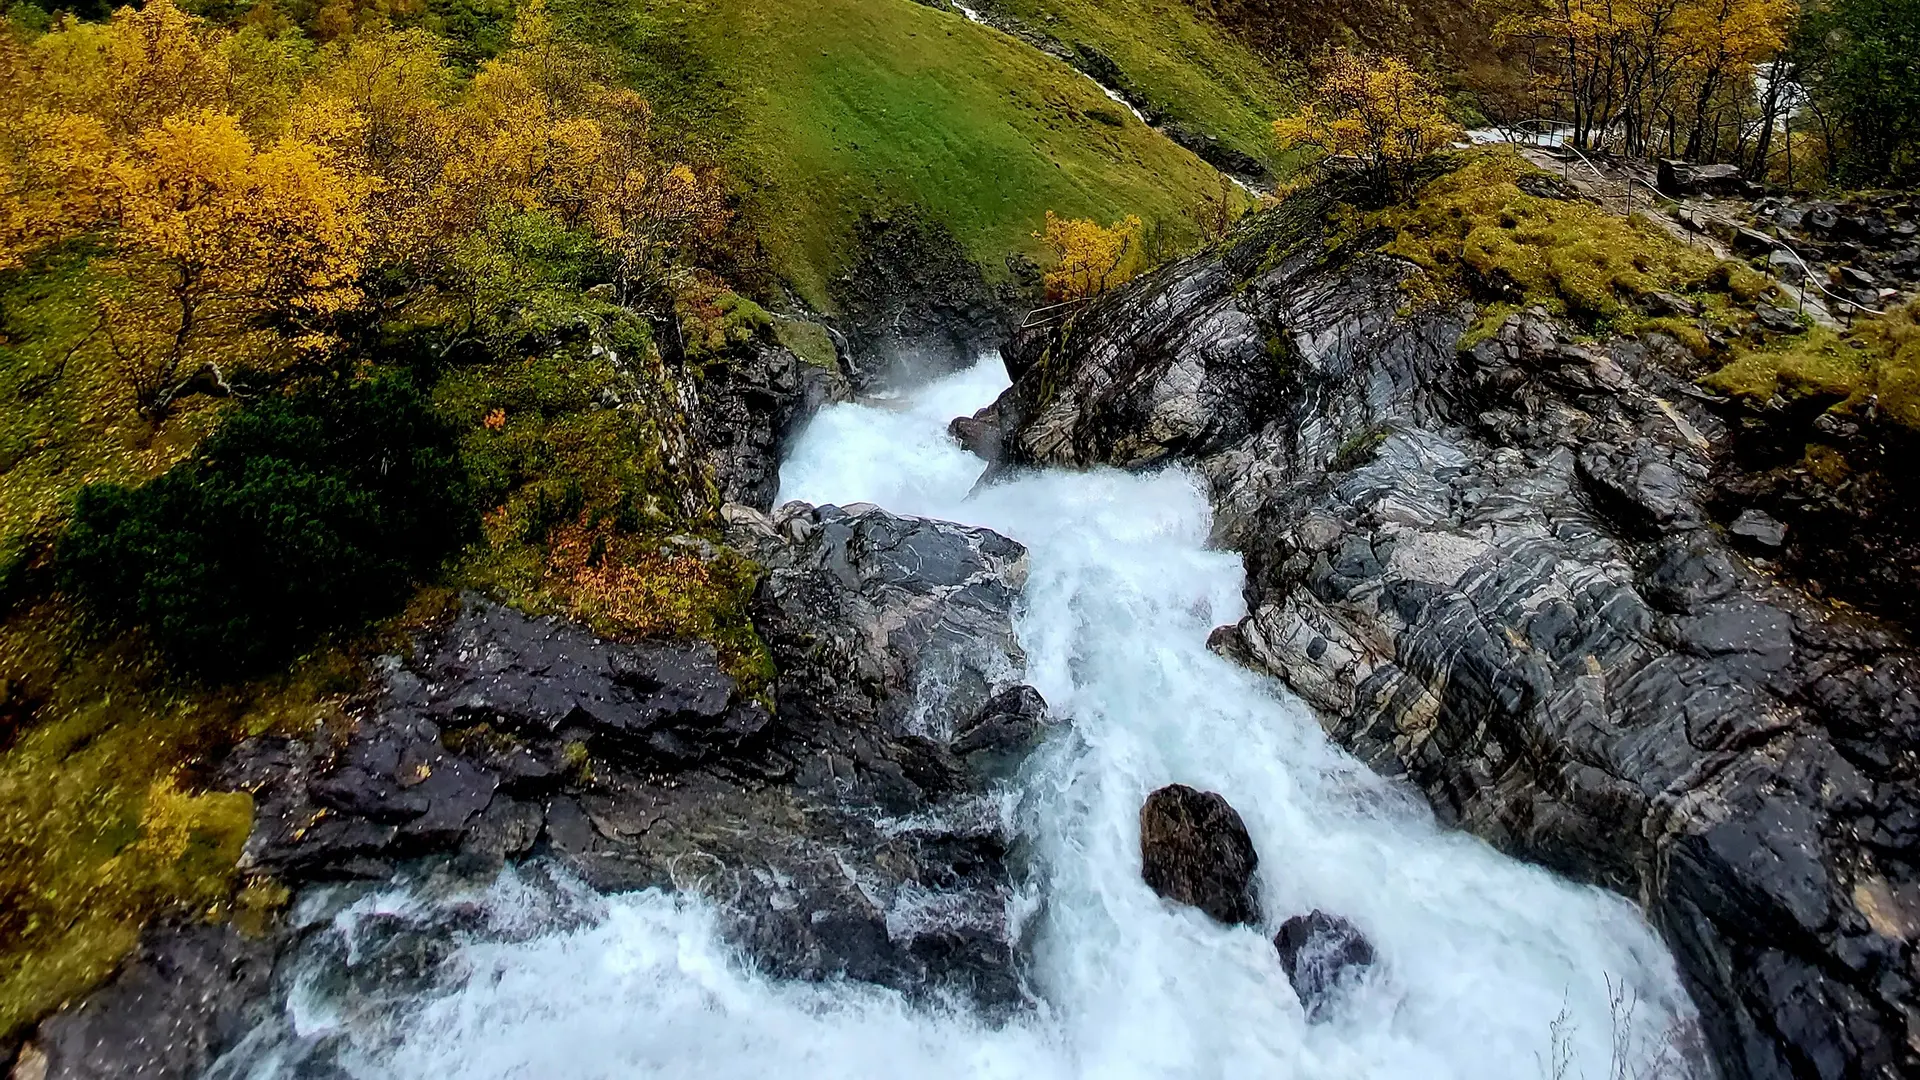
[
  {"x": 747, "y": 408},
  {"x": 1777, "y": 319},
  {"x": 1666, "y": 303},
  {"x": 1680, "y": 178},
  {"x": 1786, "y": 266},
  {"x": 1195, "y": 850},
  {"x": 851, "y": 833},
  {"x": 1759, "y": 528},
  {"x": 980, "y": 434},
  {"x": 1009, "y": 725},
  {"x": 1858, "y": 278},
  {"x": 1323, "y": 955},
  {"x": 174, "y": 1005},
  {"x": 1689, "y": 574},
  {"x": 886, "y": 627},
  {"x": 915, "y": 304},
  {"x": 1494, "y": 572}
]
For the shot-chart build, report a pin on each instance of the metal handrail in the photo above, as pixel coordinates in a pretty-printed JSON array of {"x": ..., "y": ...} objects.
[
  {"x": 1805, "y": 270},
  {"x": 1028, "y": 323}
]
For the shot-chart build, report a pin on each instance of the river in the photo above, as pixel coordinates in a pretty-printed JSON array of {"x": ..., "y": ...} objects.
[{"x": 1488, "y": 968}]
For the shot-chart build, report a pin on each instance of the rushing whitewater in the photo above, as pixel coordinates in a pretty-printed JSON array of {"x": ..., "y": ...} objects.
[{"x": 1488, "y": 968}]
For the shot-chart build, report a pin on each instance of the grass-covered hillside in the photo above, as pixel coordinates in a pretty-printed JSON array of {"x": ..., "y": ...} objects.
[
  {"x": 826, "y": 111},
  {"x": 1180, "y": 66}
]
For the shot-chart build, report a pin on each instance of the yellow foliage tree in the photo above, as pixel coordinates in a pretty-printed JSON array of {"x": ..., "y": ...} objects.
[
  {"x": 1378, "y": 118},
  {"x": 260, "y": 195},
  {"x": 220, "y": 237},
  {"x": 1669, "y": 75},
  {"x": 1091, "y": 258}
]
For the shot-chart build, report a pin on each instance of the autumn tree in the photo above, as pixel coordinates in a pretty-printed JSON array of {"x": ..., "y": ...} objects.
[
  {"x": 1378, "y": 119},
  {"x": 223, "y": 241},
  {"x": 268, "y": 202},
  {"x": 1090, "y": 258},
  {"x": 1665, "y": 76}
]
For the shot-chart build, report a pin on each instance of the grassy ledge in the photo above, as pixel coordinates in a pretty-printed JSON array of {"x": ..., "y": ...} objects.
[{"x": 1488, "y": 228}]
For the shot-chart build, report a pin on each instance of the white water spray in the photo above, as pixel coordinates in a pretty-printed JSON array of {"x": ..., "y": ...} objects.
[{"x": 1488, "y": 968}]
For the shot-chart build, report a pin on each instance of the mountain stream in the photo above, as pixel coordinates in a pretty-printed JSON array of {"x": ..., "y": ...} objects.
[{"x": 1487, "y": 968}]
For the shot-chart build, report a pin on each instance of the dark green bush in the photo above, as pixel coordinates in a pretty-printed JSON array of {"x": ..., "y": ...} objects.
[{"x": 298, "y": 516}]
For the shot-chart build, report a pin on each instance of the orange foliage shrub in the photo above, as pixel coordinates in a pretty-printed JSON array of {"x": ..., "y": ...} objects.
[{"x": 1091, "y": 258}]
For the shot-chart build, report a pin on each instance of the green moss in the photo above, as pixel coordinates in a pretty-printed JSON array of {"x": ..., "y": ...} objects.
[
  {"x": 1487, "y": 323},
  {"x": 1478, "y": 234},
  {"x": 1686, "y": 332},
  {"x": 1180, "y": 66},
  {"x": 600, "y": 513},
  {"x": 809, "y": 341},
  {"x": 713, "y": 322},
  {"x": 1875, "y": 367},
  {"x": 826, "y": 111},
  {"x": 101, "y": 825}
]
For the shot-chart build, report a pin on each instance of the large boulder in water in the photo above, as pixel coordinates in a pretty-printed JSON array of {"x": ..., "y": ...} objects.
[
  {"x": 1194, "y": 849},
  {"x": 1322, "y": 954}
]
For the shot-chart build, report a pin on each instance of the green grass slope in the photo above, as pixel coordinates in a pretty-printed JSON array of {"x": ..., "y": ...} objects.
[
  {"x": 1177, "y": 63},
  {"x": 826, "y": 110}
]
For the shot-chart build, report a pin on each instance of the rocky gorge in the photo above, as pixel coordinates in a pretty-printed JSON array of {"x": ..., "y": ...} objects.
[
  {"x": 1515, "y": 569},
  {"x": 1520, "y": 574}
]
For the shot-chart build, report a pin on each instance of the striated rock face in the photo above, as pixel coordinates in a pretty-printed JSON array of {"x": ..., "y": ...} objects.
[
  {"x": 1502, "y": 573},
  {"x": 914, "y": 303},
  {"x": 745, "y": 410},
  {"x": 884, "y": 624},
  {"x": 1194, "y": 849}
]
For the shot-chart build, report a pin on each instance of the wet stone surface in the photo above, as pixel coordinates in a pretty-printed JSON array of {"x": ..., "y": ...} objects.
[
  {"x": 854, "y": 830},
  {"x": 1519, "y": 576}
]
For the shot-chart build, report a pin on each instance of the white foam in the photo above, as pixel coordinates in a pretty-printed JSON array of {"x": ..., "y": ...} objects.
[{"x": 1478, "y": 954}]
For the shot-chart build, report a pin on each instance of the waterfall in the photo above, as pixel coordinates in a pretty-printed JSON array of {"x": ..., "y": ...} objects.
[{"x": 1487, "y": 968}]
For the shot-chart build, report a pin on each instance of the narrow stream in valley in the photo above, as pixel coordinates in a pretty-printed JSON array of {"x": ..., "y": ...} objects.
[{"x": 1487, "y": 968}]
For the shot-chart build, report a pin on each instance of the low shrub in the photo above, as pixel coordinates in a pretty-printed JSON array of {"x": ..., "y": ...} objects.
[{"x": 298, "y": 516}]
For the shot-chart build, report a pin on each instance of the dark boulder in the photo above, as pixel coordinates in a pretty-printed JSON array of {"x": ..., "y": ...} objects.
[
  {"x": 1194, "y": 849},
  {"x": 175, "y": 1004},
  {"x": 1005, "y": 728},
  {"x": 1322, "y": 955},
  {"x": 980, "y": 433},
  {"x": 1678, "y": 179},
  {"x": 1759, "y": 529}
]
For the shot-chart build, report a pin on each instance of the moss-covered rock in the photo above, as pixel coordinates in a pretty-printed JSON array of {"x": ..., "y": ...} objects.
[
  {"x": 595, "y": 502},
  {"x": 1871, "y": 371},
  {"x": 1479, "y": 233}
]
